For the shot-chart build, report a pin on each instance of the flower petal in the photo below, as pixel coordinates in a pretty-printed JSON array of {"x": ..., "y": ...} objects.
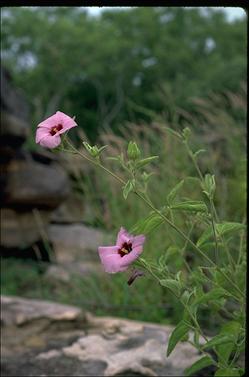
[
  {"x": 50, "y": 122},
  {"x": 107, "y": 250},
  {"x": 66, "y": 121},
  {"x": 41, "y": 133},
  {"x": 123, "y": 236},
  {"x": 131, "y": 257},
  {"x": 138, "y": 240},
  {"x": 110, "y": 259},
  {"x": 50, "y": 141}
]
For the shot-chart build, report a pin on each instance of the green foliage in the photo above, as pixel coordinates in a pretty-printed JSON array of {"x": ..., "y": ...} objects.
[
  {"x": 190, "y": 205},
  {"x": 232, "y": 328},
  {"x": 127, "y": 189},
  {"x": 133, "y": 151},
  {"x": 147, "y": 225},
  {"x": 102, "y": 294},
  {"x": 200, "y": 290},
  {"x": 204, "y": 362},
  {"x": 208, "y": 185},
  {"x": 97, "y": 67},
  {"x": 145, "y": 161},
  {"x": 178, "y": 333},
  {"x": 221, "y": 229},
  {"x": 219, "y": 339},
  {"x": 171, "y": 196},
  {"x": 172, "y": 284},
  {"x": 106, "y": 84},
  {"x": 227, "y": 372}
]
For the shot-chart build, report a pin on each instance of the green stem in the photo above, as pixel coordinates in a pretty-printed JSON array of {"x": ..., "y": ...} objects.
[
  {"x": 213, "y": 215},
  {"x": 197, "y": 326},
  {"x": 214, "y": 231},
  {"x": 241, "y": 245},
  {"x": 183, "y": 235}
]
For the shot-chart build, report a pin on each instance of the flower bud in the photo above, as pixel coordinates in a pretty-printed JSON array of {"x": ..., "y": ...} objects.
[
  {"x": 186, "y": 133},
  {"x": 133, "y": 151}
]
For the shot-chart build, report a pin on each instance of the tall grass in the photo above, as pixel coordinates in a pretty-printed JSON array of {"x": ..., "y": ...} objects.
[{"x": 218, "y": 126}]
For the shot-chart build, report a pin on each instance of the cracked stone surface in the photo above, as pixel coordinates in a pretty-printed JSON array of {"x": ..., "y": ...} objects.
[{"x": 49, "y": 339}]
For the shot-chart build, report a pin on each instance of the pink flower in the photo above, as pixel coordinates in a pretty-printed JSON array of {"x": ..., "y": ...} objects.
[
  {"x": 117, "y": 258},
  {"x": 48, "y": 132}
]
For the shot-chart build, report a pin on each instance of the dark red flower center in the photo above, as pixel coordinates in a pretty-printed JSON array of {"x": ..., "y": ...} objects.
[
  {"x": 125, "y": 249},
  {"x": 56, "y": 129}
]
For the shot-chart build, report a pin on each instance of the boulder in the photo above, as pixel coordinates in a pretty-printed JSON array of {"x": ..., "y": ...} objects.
[
  {"x": 32, "y": 184},
  {"x": 13, "y": 127},
  {"x": 14, "y": 113},
  {"x": 72, "y": 210},
  {"x": 42, "y": 338},
  {"x": 76, "y": 242},
  {"x": 64, "y": 271},
  {"x": 12, "y": 99},
  {"x": 20, "y": 229}
]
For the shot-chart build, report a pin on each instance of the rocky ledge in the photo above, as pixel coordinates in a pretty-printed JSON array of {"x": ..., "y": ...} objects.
[{"x": 42, "y": 338}]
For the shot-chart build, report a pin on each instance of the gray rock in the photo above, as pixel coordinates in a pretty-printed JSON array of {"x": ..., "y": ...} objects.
[
  {"x": 12, "y": 99},
  {"x": 70, "y": 211},
  {"x": 21, "y": 229},
  {"x": 62, "y": 272},
  {"x": 14, "y": 126},
  {"x": 18, "y": 311},
  {"x": 33, "y": 184},
  {"x": 76, "y": 242},
  {"x": 41, "y": 338},
  {"x": 14, "y": 115}
]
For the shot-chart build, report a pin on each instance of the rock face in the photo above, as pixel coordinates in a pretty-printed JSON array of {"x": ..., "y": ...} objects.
[
  {"x": 76, "y": 242},
  {"x": 30, "y": 181},
  {"x": 33, "y": 184},
  {"x": 20, "y": 228},
  {"x": 14, "y": 112},
  {"x": 42, "y": 338}
]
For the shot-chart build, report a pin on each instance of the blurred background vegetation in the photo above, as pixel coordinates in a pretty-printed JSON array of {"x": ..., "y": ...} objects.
[{"x": 127, "y": 74}]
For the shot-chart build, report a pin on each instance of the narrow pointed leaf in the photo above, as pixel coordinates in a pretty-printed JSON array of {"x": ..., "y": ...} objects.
[
  {"x": 148, "y": 224},
  {"x": 228, "y": 372},
  {"x": 127, "y": 189},
  {"x": 171, "y": 196},
  {"x": 199, "y": 364},
  {"x": 178, "y": 333},
  {"x": 145, "y": 161},
  {"x": 191, "y": 206},
  {"x": 219, "y": 339},
  {"x": 221, "y": 229}
]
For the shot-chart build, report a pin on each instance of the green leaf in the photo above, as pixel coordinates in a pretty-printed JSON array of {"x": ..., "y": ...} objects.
[
  {"x": 133, "y": 151},
  {"x": 185, "y": 297},
  {"x": 102, "y": 148},
  {"x": 199, "y": 364},
  {"x": 190, "y": 205},
  {"x": 127, "y": 189},
  {"x": 148, "y": 224},
  {"x": 186, "y": 133},
  {"x": 228, "y": 372},
  {"x": 171, "y": 196},
  {"x": 173, "y": 285},
  {"x": 208, "y": 185},
  {"x": 113, "y": 158},
  {"x": 214, "y": 294},
  {"x": 145, "y": 161},
  {"x": 178, "y": 333},
  {"x": 172, "y": 132},
  {"x": 219, "y": 339},
  {"x": 87, "y": 146},
  {"x": 198, "y": 152},
  {"x": 229, "y": 227},
  {"x": 221, "y": 229},
  {"x": 224, "y": 350}
]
